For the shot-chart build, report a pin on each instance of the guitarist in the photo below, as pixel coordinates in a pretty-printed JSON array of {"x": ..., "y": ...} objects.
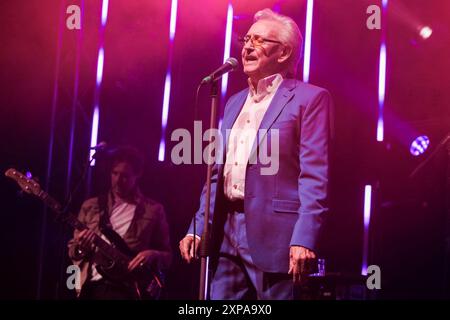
[{"x": 139, "y": 221}]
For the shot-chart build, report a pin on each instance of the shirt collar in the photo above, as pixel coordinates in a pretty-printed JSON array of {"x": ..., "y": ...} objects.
[
  {"x": 266, "y": 86},
  {"x": 136, "y": 198}
]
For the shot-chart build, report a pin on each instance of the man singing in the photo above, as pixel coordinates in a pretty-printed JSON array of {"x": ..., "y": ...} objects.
[{"x": 265, "y": 227}]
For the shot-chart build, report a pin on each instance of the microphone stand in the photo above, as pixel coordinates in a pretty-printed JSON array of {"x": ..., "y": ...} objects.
[{"x": 204, "y": 245}]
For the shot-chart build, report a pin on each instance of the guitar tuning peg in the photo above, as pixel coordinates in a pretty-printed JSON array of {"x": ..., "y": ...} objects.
[
  {"x": 35, "y": 178},
  {"x": 20, "y": 193}
]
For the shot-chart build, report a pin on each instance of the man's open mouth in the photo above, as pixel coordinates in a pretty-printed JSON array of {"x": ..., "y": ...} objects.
[{"x": 250, "y": 58}]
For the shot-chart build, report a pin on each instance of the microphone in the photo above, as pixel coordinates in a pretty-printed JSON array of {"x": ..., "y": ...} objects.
[
  {"x": 103, "y": 149},
  {"x": 100, "y": 147},
  {"x": 229, "y": 65}
]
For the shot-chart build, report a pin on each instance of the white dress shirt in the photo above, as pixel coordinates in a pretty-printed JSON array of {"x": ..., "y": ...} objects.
[{"x": 243, "y": 134}]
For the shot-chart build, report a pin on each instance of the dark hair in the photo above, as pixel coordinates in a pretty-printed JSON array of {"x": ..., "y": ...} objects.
[{"x": 129, "y": 155}]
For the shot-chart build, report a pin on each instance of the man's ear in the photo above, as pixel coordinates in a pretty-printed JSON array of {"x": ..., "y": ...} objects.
[{"x": 285, "y": 54}]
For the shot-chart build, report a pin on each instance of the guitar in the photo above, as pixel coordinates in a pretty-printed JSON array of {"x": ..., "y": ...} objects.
[{"x": 145, "y": 281}]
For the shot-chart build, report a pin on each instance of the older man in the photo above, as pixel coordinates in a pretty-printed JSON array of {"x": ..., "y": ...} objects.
[{"x": 265, "y": 226}]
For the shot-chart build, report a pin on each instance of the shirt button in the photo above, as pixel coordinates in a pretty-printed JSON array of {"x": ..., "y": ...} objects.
[
  {"x": 235, "y": 163},
  {"x": 235, "y": 186},
  {"x": 248, "y": 121},
  {"x": 242, "y": 141}
]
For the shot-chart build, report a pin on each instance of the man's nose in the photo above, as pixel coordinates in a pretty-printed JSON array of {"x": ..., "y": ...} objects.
[
  {"x": 249, "y": 45},
  {"x": 249, "y": 49}
]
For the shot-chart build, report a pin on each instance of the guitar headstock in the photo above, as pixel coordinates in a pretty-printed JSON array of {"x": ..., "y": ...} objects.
[{"x": 26, "y": 184}]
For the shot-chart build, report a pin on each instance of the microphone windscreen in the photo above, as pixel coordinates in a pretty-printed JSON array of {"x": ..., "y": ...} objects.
[{"x": 234, "y": 63}]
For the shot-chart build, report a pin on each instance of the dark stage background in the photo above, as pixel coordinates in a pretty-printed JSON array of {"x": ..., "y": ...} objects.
[{"x": 39, "y": 100}]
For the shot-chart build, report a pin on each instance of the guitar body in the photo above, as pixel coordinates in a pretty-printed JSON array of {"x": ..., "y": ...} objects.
[
  {"x": 114, "y": 271},
  {"x": 142, "y": 281}
]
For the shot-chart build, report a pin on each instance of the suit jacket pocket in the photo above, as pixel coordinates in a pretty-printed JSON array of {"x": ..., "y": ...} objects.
[{"x": 289, "y": 206}]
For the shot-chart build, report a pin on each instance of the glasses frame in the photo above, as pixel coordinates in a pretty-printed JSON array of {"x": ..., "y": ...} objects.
[{"x": 245, "y": 39}]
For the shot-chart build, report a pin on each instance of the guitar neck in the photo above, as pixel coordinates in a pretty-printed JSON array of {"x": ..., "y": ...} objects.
[
  {"x": 69, "y": 219},
  {"x": 32, "y": 187}
]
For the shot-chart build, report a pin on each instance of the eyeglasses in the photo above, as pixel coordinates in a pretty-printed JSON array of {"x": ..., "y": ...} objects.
[{"x": 256, "y": 40}]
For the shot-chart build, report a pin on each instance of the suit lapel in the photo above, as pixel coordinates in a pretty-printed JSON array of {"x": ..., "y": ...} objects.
[{"x": 283, "y": 95}]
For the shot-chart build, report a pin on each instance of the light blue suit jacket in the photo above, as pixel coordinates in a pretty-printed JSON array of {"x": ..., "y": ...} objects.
[{"x": 288, "y": 207}]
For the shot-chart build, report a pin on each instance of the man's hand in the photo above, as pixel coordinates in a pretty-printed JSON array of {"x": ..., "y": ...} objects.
[
  {"x": 300, "y": 259},
  {"x": 187, "y": 248},
  {"x": 85, "y": 239},
  {"x": 141, "y": 258}
]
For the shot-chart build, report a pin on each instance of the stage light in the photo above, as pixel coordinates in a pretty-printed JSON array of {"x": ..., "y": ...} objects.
[
  {"x": 227, "y": 47},
  {"x": 367, "y": 212},
  {"x": 165, "y": 115},
  {"x": 99, "y": 78},
  {"x": 419, "y": 145},
  {"x": 308, "y": 35},
  {"x": 173, "y": 19},
  {"x": 425, "y": 32},
  {"x": 168, "y": 81},
  {"x": 100, "y": 61},
  {"x": 382, "y": 78},
  {"x": 381, "y": 92},
  {"x": 105, "y": 5},
  {"x": 94, "y": 133}
]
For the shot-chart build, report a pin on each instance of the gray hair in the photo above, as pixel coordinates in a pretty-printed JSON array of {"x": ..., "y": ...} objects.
[{"x": 290, "y": 35}]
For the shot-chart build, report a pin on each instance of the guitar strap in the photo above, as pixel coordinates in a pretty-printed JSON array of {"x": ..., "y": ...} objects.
[
  {"x": 106, "y": 227},
  {"x": 104, "y": 212}
]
